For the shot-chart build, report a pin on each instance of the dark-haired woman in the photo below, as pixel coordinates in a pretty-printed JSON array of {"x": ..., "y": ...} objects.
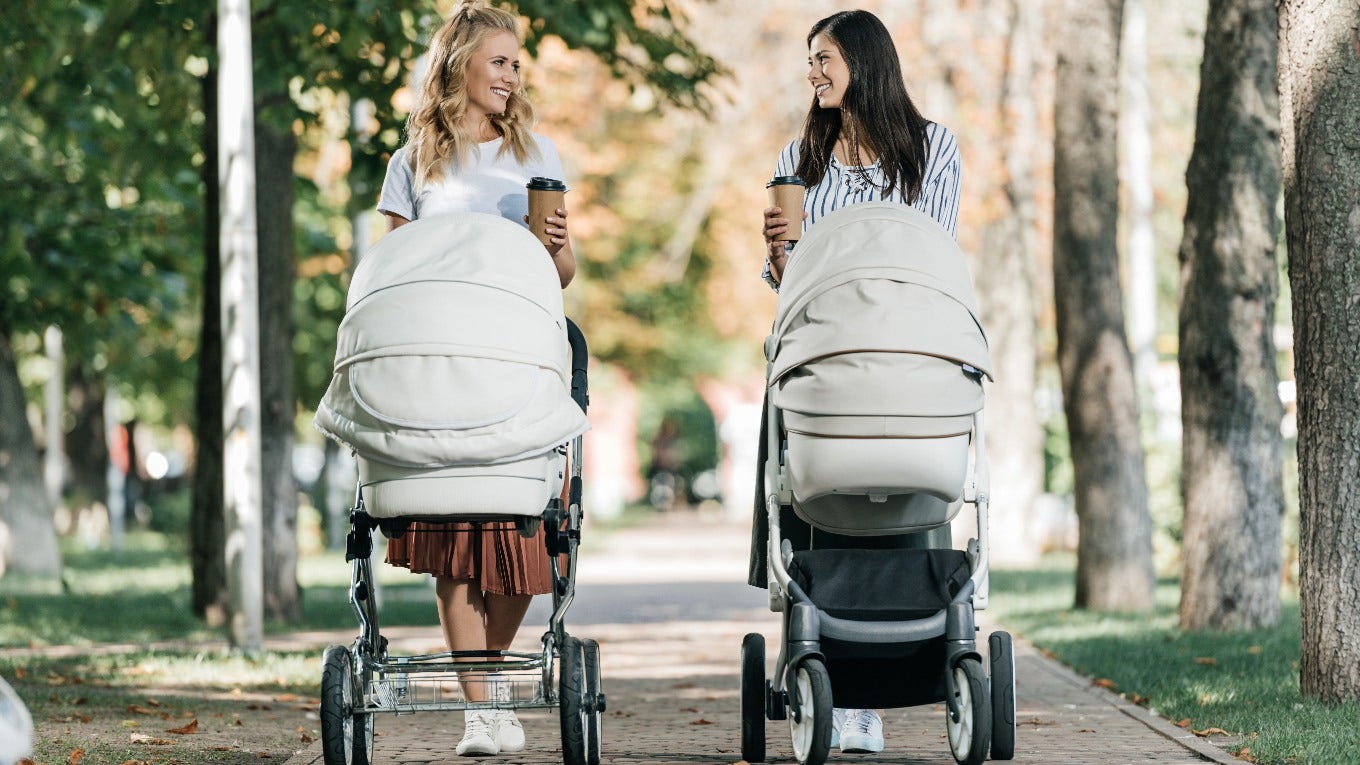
[{"x": 863, "y": 141}]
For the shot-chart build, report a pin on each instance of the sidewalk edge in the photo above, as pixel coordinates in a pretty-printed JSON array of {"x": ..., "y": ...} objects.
[{"x": 1156, "y": 722}]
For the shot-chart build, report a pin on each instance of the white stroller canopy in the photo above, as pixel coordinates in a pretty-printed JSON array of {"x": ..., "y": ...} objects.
[
  {"x": 876, "y": 278},
  {"x": 453, "y": 349}
]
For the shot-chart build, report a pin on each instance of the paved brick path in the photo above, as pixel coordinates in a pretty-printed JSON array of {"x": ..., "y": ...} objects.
[{"x": 668, "y": 604}]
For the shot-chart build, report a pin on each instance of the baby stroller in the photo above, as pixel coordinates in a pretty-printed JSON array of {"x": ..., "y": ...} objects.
[
  {"x": 873, "y": 428},
  {"x": 460, "y": 386}
]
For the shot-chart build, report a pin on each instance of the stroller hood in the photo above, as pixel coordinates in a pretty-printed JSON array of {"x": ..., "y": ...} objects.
[
  {"x": 453, "y": 349},
  {"x": 881, "y": 281}
]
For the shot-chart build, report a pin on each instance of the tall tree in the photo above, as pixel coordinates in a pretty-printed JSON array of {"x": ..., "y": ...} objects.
[
  {"x": 1114, "y": 553},
  {"x": 1230, "y": 408},
  {"x": 1320, "y": 95},
  {"x": 28, "y": 543}
]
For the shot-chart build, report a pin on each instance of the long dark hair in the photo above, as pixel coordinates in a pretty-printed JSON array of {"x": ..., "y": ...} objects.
[{"x": 881, "y": 116}]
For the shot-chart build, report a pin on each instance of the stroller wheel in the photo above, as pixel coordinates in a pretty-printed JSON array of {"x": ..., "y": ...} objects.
[
  {"x": 970, "y": 734},
  {"x": 753, "y": 698},
  {"x": 571, "y": 702},
  {"x": 346, "y": 730},
  {"x": 596, "y": 697},
  {"x": 1003, "y": 695},
  {"x": 810, "y": 720}
]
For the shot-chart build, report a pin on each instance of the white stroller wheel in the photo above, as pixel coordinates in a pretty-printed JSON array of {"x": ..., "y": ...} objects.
[
  {"x": 970, "y": 735},
  {"x": 810, "y": 724}
]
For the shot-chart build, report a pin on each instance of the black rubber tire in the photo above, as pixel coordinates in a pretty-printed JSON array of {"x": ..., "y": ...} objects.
[
  {"x": 970, "y": 737},
  {"x": 571, "y": 690},
  {"x": 812, "y": 734},
  {"x": 1002, "y": 653},
  {"x": 753, "y": 697},
  {"x": 595, "y": 691},
  {"x": 346, "y": 737}
]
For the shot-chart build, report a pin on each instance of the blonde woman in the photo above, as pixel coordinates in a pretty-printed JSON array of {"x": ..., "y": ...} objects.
[{"x": 470, "y": 149}]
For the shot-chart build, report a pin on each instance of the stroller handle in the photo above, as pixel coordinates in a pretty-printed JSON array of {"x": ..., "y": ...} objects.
[{"x": 579, "y": 355}]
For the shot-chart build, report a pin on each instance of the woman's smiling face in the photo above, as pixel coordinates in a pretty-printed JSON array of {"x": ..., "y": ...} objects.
[
  {"x": 827, "y": 72},
  {"x": 493, "y": 74}
]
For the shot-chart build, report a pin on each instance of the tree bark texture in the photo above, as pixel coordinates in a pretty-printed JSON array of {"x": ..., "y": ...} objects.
[
  {"x": 274, "y": 152},
  {"x": 1320, "y": 94},
  {"x": 1230, "y": 406},
  {"x": 207, "y": 519},
  {"x": 1114, "y": 552},
  {"x": 28, "y": 540}
]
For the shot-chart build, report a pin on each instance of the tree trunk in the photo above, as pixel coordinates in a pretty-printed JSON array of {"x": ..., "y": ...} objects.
[
  {"x": 1114, "y": 553},
  {"x": 1320, "y": 94},
  {"x": 87, "y": 442},
  {"x": 28, "y": 541},
  {"x": 1230, "y": 406},
  {"x": 207, "y": 520},
  {"x": 274, "y": 151},
  {"x": 1005, "y": 279}
]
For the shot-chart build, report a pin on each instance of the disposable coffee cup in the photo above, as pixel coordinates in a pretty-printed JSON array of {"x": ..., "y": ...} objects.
[
  {"x": 786, "y": 193},
  {"x": 546, "y": 196}
]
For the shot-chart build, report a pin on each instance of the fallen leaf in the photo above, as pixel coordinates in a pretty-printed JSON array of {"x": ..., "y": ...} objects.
[
  {"x": 142, "y": 738},
  {"x": 75, "y": 756},
  {"x": 701, "y": 721},
  {"x": 190, "y": 727},
  {"x": 21, "y": 673},
  {"x": 307, "y": 739},
  {"x": 1207, "y": 661},
  {"x": 1034, "y": 721},
  {"x": 1103, "y": 683},
  {"x": 80, "y": 702},
  {"x": 152, "y": 703},
  {"x": 136, "y": 710},
  {"x": 1087, "y": 730},
  {"x": 284, "y": 698},
  {"x": 691, "y": 710},
  {"x": 1210, "y": 732},
  {"x": 1138, "y": 699},
  {"x": 1254, "y": 650},
  {"x": 1185, "y": 723},
  {"x": 222, "y": 749}
]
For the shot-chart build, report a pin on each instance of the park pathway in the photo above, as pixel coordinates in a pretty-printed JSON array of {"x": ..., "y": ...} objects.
[{"x": 668, "y": 603}]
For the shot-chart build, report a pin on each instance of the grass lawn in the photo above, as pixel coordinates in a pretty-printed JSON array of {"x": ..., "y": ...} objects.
[{"x": 1246, "y": 684}]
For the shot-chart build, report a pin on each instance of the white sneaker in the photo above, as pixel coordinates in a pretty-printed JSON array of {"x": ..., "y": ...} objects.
[
  {"x": 509, "y": 733},
  {"x": 862, "y": 731},
  {"x": 837, "y": 720},
  {"x": 479, "y": 729}
]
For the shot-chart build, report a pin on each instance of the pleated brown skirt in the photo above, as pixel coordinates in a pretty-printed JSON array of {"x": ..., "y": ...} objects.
[{"x": 493, "y": 555}]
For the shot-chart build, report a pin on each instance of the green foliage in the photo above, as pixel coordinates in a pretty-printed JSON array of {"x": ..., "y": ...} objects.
[
  {"x": 642, "y": 43},
  {"x": 1245, "y": 683}
]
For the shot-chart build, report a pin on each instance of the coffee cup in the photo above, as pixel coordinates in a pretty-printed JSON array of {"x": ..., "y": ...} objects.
[
  {"x": 786, "y": 193},
  {"x": 546, "y": 196}
]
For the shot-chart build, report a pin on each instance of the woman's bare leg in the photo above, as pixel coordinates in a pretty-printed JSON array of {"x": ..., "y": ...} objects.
[
  {"x": 504, "y": 614},
  {"x": 462, "y": 615}
]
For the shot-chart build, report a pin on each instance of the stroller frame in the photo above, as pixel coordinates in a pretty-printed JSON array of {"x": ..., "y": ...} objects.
[
  {"x": 978, "y": 718},
  {"x": 365, "y": 678}
]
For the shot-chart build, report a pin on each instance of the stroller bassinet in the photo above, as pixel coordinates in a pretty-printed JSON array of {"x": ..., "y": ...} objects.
[
  {"x": 873, "y": 427},
  {"x": 460, "y": 386}
]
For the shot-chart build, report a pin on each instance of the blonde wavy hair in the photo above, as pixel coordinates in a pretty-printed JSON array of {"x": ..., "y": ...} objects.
[{"x": 435, "y": 129}]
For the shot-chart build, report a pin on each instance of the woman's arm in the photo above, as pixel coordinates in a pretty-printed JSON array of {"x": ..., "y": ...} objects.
[{"x": 395, "y": 221}]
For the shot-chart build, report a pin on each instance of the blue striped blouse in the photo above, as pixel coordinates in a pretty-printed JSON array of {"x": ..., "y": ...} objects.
[{"x": 841, "y": 186}]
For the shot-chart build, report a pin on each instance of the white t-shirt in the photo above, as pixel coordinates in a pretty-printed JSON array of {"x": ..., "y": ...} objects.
[{"x": 487, "y": 182}]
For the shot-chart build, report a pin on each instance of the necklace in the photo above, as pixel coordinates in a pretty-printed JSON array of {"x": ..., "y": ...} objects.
[{"x": 856, "y": 176}]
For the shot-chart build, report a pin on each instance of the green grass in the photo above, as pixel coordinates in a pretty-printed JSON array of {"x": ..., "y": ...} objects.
[{"x": 1244, "y": 683}]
